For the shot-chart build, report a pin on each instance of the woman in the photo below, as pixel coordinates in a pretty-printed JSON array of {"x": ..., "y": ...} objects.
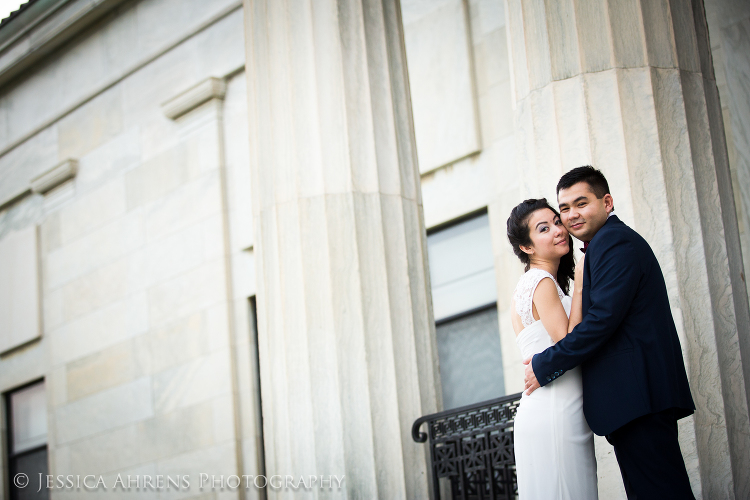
[{"x": 553, "y": 443}]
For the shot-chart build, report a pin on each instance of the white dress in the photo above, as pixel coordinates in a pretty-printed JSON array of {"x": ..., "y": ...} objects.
[{"x": 554, "y": 446}]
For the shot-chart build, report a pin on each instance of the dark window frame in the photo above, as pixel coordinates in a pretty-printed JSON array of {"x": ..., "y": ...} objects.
[
  {"x": 446, "y": 225},
  {"x": 464, "y": 314},
  {"x": 252, "y": 303},
  {"x": 457, "y": 220},
  {"x": 11, "y": 455}
]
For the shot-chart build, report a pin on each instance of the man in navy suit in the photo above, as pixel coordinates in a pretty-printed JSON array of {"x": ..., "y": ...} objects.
[{"x": 634, "y": 383}]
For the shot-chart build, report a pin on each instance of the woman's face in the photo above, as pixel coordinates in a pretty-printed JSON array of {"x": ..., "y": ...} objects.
[{"x": 549, "y": 238}]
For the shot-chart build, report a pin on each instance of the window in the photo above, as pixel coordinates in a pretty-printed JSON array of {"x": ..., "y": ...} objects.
[
  {"x": 26, "y": 410},
  {"x": 258, "y": 406},
  {"x": 19, "y": 289},
  {"x": 464, "y": 298}
]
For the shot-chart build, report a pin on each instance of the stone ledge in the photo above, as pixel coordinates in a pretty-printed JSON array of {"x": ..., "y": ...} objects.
[
  {"x": 42, "y": 28},
  {"x": 54, "y": 177},
  {"x": 210, "y": 88}
]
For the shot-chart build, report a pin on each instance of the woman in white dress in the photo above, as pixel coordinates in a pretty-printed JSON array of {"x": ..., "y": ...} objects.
[{"x": 553, "y": 443}]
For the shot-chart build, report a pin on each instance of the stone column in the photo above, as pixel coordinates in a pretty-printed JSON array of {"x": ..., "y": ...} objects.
[
  {"x": 346, "y": 336},
  {"x": 628, "y": 86},
  {"x": 729, "y": 25}
]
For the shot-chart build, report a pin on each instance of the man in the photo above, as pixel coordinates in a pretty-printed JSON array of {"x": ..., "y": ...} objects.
[{"x": 634, "y": 383}]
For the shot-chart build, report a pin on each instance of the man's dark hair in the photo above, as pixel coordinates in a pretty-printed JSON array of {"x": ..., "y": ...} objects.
[{"x": 588, "y": 174}]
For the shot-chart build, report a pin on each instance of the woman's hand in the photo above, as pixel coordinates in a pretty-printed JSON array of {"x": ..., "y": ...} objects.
[
  {"x": 576, "y": 313},
  {"x": 578, "y": 278}
]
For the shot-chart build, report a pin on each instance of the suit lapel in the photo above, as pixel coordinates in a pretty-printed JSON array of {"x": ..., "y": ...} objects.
[{"x": 586, "y": 293}]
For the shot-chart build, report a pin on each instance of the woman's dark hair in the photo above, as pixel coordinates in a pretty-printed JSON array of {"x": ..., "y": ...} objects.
[{"x": 519, "y": 234}]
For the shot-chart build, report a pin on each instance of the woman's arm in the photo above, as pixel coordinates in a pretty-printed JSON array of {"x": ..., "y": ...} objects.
[
  {"x": 549, "y": 309},
  {"x": 576, "y": 307}
]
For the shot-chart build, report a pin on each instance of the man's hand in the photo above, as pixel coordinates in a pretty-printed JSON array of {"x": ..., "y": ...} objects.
[{"x": 530, "y": 381}]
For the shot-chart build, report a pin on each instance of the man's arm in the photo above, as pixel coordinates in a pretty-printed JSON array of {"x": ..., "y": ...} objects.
[
  {"x": 615, "y": 274},
  {"x": 576, "y": 315}
]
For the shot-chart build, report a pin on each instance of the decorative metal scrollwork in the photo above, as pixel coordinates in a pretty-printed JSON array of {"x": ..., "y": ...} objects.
[{"x": 472, "y": 447}]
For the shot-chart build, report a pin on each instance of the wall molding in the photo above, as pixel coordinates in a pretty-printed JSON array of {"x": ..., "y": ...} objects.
[
  {"x": 208, "y": 89},
  {"x": 124, "y": 74},
  {"x": 55, "y": 176}
]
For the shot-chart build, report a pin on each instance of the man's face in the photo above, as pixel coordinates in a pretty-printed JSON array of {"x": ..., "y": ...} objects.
[{"x": 582, "y": 213}]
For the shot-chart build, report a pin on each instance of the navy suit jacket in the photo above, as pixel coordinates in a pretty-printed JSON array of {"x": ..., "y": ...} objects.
[{"x": 627, "y": 344}]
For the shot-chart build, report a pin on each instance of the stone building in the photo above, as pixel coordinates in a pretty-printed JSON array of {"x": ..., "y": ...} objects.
[{"x": 247, "y": 238}]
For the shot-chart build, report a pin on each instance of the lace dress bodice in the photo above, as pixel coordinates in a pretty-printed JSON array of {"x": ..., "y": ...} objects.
[
  {"x": 524, "y": 294},
  {"x": 534, "y": 338}
]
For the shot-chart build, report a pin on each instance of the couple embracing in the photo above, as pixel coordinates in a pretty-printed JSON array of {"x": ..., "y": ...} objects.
[{"x": 606, "y": 359}]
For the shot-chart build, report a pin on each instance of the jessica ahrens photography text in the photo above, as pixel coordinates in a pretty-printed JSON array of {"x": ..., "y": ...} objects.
[{"x": 160, "y": 482}]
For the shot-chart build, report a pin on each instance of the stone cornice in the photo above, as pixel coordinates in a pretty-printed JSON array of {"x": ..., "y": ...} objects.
[
  {"x": 11, "y": 196},
  {"x": 43, "y": 27},
  {"x": 54, "y": 177},
  {"x": 210, "y": 88}
]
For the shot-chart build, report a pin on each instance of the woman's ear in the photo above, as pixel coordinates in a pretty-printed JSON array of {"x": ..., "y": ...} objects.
[{"x": 527, "y": 250}]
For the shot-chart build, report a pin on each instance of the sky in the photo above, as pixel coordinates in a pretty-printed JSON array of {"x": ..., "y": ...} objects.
[{"x": 8, "y": 6}]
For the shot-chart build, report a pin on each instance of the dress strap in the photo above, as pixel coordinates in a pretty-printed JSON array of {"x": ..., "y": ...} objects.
[{"x": 524, "y": 293}]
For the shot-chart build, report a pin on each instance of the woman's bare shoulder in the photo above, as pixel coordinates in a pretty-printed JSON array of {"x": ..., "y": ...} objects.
[{"x": 546, "y": 289}]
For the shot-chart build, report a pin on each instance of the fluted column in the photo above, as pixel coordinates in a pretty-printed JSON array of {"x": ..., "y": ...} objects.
[
  {"x": 346, "y": 336},
  {"x": 628, "y": 86}
]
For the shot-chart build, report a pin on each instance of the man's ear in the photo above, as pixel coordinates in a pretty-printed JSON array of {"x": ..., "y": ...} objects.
[
  {"x": 526, "y": 250},
  {"x": 609, "y": 203}
]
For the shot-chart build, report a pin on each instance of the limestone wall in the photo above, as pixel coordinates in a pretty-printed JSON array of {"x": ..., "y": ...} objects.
[{"x": 146, "y": 253}]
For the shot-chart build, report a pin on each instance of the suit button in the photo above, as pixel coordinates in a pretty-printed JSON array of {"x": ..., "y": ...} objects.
[{"x": 549, "y": 379}]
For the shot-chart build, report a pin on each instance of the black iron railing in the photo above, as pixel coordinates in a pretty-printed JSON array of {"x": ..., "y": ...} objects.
[{"x": 472, "y": 447}]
